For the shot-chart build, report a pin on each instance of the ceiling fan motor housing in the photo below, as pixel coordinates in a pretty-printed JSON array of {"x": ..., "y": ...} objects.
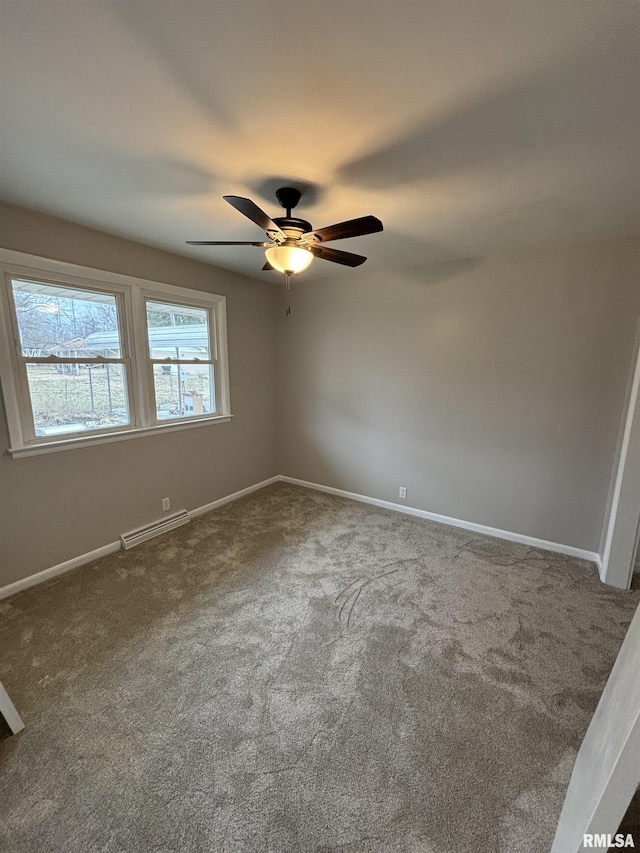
[{"x": 292, "y": 226}]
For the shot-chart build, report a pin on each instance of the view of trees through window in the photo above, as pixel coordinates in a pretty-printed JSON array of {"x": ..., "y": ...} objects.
[
  {"x": 49, "y": 317},
  {"x": 70, "y": 396}
]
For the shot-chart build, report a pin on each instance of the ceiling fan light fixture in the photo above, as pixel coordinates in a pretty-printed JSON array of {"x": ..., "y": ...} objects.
[{"x": 288, "y": 259}]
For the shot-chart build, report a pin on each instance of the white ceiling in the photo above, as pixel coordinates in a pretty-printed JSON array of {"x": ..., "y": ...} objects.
[{"x": 466, "y": 127}]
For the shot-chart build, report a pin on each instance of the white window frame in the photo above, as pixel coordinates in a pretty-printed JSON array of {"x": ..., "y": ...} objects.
[{"x": 131, "y": 294}]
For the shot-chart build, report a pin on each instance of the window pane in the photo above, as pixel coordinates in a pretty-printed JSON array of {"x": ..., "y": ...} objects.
[
  {"x": 177, "y": 331},
  {"x": 65, "y": 321},
  {"x": 68, "y": 398},
  {"x": 183, "y": 390}
]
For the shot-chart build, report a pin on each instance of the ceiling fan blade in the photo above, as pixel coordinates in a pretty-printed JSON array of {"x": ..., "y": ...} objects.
[
  {"x": 267, "y": 266},
  {"x": 351, "y": 228},
  {"x": 338, "y": 257},
  {"x": 224, "y": 243},
  {"x": 253, "y": 212}
]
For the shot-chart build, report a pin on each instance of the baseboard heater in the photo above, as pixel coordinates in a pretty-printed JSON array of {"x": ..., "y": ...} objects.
[{"x": 135, "y": 537}]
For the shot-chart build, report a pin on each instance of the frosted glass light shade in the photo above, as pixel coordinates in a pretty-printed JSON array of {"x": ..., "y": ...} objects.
[{"x": 289, "y": 259}]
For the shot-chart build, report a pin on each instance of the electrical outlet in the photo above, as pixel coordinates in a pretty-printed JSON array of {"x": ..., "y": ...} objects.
[
  {"x": 166, "y": 504},
  {"x": 402, "y": 492}
]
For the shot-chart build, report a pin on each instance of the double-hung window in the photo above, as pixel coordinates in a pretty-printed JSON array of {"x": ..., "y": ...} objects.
[
  {"x": 88, "y": 356},
  {"x": 181, "y": 359}
]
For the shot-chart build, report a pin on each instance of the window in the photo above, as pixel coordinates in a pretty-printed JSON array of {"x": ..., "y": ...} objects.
[
  {"x": 180, "y": 357},
  {"x": 88, "y": 356},
  {"x": 71, "y": 386}
]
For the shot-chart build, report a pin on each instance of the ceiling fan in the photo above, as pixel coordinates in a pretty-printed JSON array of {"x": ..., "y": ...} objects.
[{"x": 292, "y": 242}]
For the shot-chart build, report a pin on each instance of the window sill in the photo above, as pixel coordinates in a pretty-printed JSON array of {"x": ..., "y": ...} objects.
[{"x": 37, "y": 449}]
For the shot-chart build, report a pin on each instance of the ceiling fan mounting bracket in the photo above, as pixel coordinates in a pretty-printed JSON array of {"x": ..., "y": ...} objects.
[{"x": 288, "y": 198}]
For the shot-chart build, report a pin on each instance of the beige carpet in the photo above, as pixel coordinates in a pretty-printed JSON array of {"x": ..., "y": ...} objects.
[{"x": 298, "y": 672}]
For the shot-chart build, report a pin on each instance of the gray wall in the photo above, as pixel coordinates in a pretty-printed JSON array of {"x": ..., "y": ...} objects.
[
  {"x": 493, "y": 389},
  {"x": 55, "y": 507}
]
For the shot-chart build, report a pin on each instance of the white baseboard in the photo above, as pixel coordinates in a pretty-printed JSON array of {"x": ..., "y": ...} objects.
[
  {"x": 556, "y": 547},
  {"x": 234, "y": 497},
  {"x": 47, "y": 574},
  {"x": 112, "y": 547}
]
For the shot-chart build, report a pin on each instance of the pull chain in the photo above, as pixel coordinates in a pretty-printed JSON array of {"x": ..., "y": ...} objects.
[{"x": 287, "y": 277}]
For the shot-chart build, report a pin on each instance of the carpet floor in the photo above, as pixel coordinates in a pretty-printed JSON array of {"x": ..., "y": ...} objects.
[{"x": 300, "y": 672}]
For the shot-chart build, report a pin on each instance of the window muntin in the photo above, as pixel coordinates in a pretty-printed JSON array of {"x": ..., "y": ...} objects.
[
  {"x": 131, "y": 374},
  {"x": 71, "y": 387}
]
